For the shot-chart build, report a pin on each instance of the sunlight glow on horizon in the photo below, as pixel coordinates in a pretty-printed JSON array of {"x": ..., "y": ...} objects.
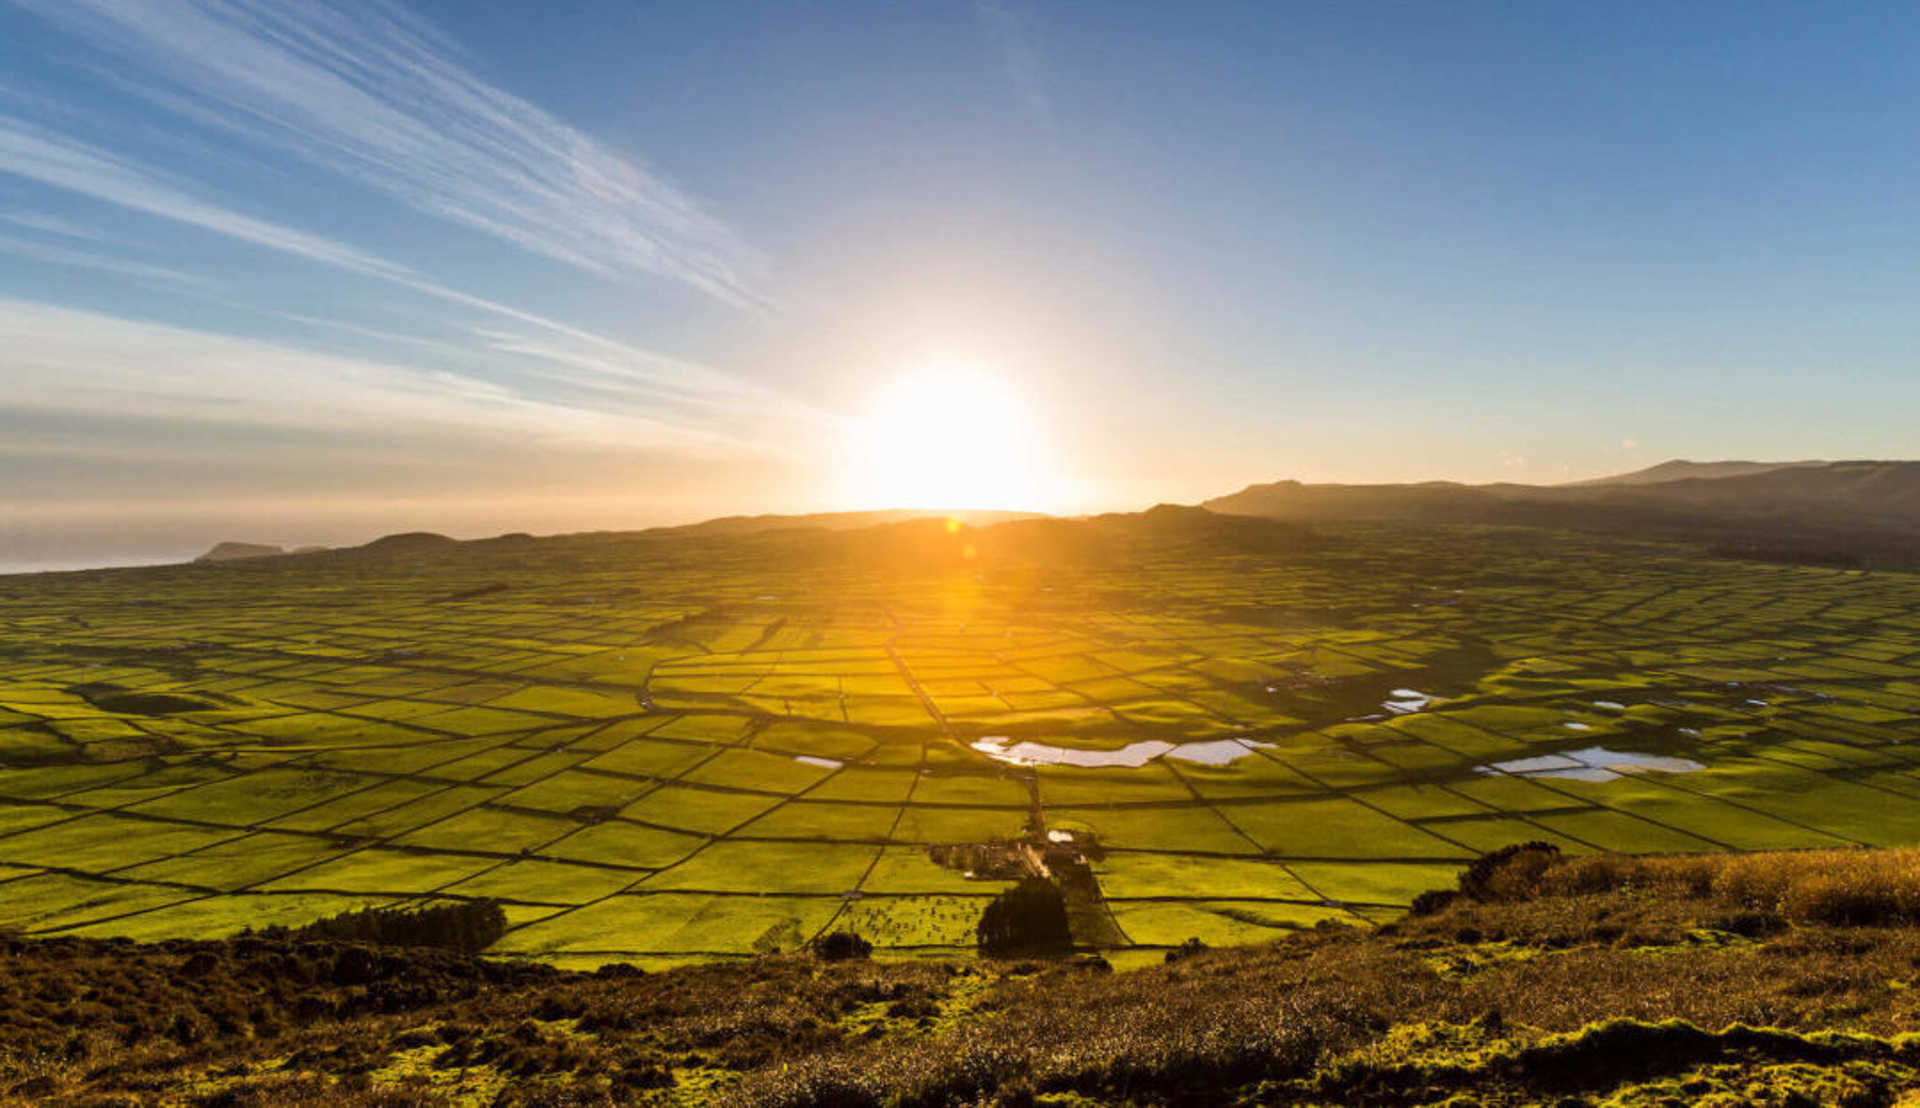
[{"x": 948, "y": 436}]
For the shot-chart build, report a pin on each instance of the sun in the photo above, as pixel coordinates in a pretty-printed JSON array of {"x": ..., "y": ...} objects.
[{"x": 947, "y": 437}]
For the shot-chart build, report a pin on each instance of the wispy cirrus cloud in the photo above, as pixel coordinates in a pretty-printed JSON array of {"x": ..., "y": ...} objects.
[
  {"x": 361, "y": 89},
  {"x": 31, "y": 151},
  {"x": 93, "y": 366},
  {"x": 219, "y": 103}
]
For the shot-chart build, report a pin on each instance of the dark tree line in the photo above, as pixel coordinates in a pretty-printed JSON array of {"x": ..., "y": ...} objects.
[{"x": 467, "y": 926}]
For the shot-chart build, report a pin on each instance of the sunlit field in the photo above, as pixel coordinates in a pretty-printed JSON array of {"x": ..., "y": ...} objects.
[{"x": 654, "y": 748}]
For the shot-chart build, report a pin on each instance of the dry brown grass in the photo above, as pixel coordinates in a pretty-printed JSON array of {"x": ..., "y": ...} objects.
[
  {"x": 1559, "y": 946},
  {"x": 1840, "y": 887}
]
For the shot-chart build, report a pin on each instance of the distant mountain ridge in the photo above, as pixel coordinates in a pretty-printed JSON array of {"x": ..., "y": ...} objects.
[
  {"x": 837, "y": 521},
  {"x": 1680, "y": 469},
  {"x": 428, "y": 542},
  {"x": 901, "y": 539},
  {"x": 1849, "y": 512},
  {"x": 1840, "y": 512},
  {"x": 241, "y": 551},
  {"x": 408, "y": 542},
  {"x": 236, "y": 551}
]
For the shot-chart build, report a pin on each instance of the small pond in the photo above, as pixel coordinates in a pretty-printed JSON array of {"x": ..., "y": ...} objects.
[
  {"x": 1595, "y": 763},
  {"x": 1402, "y": 701},
  {"x": 1217, "y": 752}
]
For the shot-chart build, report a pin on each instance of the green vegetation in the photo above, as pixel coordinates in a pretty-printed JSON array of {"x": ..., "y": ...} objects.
[
  {"x": 1548, "y": 980},
  {"x": 664, "y": 747}
]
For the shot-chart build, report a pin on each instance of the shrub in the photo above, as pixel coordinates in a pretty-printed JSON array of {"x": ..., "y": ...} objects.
[
  {"x": 841, "y": 946},
  {"x": 1846, "y": 899},
  {"x": 1509, "y": 873},
  {"x": 1185, "y": 950}
]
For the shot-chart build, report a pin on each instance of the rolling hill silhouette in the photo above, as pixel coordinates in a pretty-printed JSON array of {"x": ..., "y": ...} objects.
[
  {"x": 1680, "y": 469},
  {"x": 835, "y": 521},
  {"x": 236, "y": 551},
  {"x": 1831, "y": 512}
]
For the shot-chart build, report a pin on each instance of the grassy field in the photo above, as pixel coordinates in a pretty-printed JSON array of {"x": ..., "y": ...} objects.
[{"x": 659, "y": 748}]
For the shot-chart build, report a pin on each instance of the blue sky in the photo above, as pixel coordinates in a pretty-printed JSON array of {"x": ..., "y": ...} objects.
[{"x": 309, "y": 272}]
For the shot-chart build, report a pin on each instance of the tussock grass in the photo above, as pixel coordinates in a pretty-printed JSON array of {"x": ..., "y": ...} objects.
[{"x": 1838, "y": 887}]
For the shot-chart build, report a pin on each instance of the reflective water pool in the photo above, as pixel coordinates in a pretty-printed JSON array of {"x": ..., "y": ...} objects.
[
  {"x": 1594, "y": 763},
  {"x": 1217, "y": 752}
]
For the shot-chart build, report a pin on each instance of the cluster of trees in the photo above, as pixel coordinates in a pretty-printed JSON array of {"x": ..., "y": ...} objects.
[
  {"x": 1029, "y": 918},
  {"x": 469, "y": 926}
]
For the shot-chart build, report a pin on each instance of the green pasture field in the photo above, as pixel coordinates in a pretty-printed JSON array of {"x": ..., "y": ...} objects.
[{"x": 657, "y": 748}]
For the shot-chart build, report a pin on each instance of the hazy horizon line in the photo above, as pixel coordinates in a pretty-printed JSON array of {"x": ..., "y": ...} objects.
[{"x": 148, "y": 559}]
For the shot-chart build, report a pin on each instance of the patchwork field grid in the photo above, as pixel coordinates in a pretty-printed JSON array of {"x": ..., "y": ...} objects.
[{"x": 663, "y": 749}]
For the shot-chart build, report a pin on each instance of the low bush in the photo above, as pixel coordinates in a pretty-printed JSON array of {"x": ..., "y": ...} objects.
[
  {"x": 1184, "y": 951},
  {"x": 841, "y": 946},
  {"x": 1509, "y": 873}
]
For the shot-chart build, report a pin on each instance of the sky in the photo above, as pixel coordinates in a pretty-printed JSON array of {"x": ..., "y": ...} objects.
[{"x": 313, "y": 272}]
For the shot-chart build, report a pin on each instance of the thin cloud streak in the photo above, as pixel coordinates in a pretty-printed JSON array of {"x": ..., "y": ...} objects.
[
  {"x": 362, "y": 90},
  {"x": 54, "y": 225},
  {"x": 440, "y": 346},
  {"x": 85, "y": 259},
  {"x": 1015, "y": 35},
  {"x": 654, "y": 377},
  {"x": 94, "y": 366},
  {"x": 32, "y": 152}
]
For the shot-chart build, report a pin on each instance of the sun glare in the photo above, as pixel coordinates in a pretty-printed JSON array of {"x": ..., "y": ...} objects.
[{"x": 947, "y": 437}]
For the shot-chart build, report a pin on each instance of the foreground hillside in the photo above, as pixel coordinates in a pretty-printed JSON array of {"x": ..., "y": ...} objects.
[{"x": 1755, "y": 979}]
